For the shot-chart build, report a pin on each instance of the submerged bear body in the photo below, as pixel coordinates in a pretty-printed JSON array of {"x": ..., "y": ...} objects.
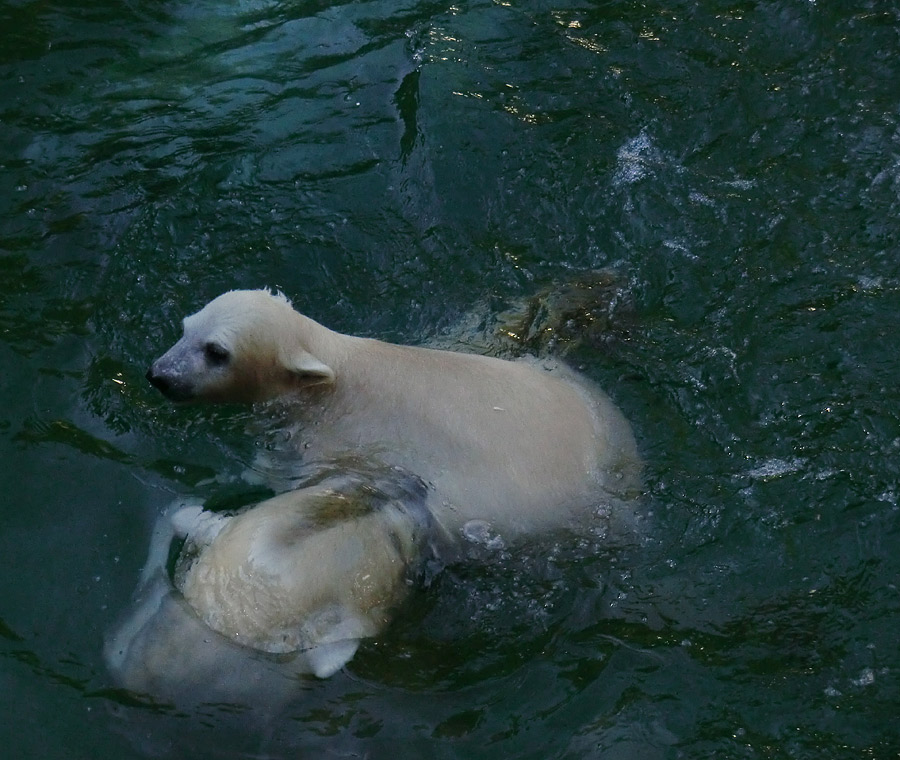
[{"x": 282, "y": 588}]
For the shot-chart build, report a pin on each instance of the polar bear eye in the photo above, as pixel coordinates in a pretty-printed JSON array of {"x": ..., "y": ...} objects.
[{"x": 216, "y": 354}]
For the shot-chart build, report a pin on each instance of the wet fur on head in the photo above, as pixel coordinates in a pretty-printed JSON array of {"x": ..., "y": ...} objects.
[{"x": 242, "y": 346}]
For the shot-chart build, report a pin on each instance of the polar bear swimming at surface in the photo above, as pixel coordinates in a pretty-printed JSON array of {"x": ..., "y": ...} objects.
[
  {"x": 280, "y": 589},
  {"x": 520, "y": 445}
]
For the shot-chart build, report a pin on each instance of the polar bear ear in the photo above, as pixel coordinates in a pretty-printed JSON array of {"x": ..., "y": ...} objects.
[{"x": 308, "y": 369}]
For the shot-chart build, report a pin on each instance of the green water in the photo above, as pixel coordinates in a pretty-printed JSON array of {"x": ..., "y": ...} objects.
[{"x": 392, "y": 166}]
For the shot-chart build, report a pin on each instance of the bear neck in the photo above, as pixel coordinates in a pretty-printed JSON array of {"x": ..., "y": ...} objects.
[
  {"x": 328, "y": 346},
  {"x": 357, "y": 362}
]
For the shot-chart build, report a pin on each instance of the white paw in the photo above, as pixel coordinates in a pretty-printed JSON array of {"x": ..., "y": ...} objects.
[{"x": 198, "y": 524}]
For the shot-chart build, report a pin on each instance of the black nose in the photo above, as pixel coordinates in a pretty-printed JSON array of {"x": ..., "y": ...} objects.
[
  {"x": 158, "y": 381},
  {"x": 170, "y": 384}
]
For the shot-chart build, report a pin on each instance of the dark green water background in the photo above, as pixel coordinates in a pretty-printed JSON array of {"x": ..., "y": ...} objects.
[{"x": 392, "y": 165}]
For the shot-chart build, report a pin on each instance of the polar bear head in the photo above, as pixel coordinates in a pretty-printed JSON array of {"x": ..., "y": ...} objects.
[{"x": 244, "y": 346}]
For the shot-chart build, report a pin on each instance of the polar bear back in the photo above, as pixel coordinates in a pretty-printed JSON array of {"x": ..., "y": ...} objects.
[
  {"x": 522, "y": 444},
  {"x": 304, "y": 568}
]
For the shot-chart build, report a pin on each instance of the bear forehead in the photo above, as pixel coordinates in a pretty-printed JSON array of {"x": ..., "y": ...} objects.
[
  {"x": 238, "y": 310},
  {"x": 243, "y": 300}
]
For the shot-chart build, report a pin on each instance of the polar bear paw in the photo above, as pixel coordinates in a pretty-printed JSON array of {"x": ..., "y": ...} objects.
[{"x": 196, "y": 523}]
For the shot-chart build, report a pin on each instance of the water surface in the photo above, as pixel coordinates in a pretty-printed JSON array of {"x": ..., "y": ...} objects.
[{"x": 393, "y": 167}]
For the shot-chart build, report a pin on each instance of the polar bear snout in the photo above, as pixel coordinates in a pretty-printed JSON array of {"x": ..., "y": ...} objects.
[{"x": 172, "y": 384}]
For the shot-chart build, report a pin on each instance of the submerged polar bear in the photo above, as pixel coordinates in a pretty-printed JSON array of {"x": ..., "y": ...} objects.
[
  {"x": 280, "y": 589},
  {"x": 292, "y": 584},
  {"x": 521, "y": 445}
]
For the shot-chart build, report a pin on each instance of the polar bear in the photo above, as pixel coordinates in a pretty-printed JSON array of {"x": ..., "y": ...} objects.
[
  {"x": 283, "y": 588},
  {"x": 519, "y": 445}
]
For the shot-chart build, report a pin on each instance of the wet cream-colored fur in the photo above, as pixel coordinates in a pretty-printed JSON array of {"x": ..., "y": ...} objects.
[
  {"x": 419, "y": 447},
  {"x": 282, "y": 588},
  {"x": 522, "y": 445}
]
